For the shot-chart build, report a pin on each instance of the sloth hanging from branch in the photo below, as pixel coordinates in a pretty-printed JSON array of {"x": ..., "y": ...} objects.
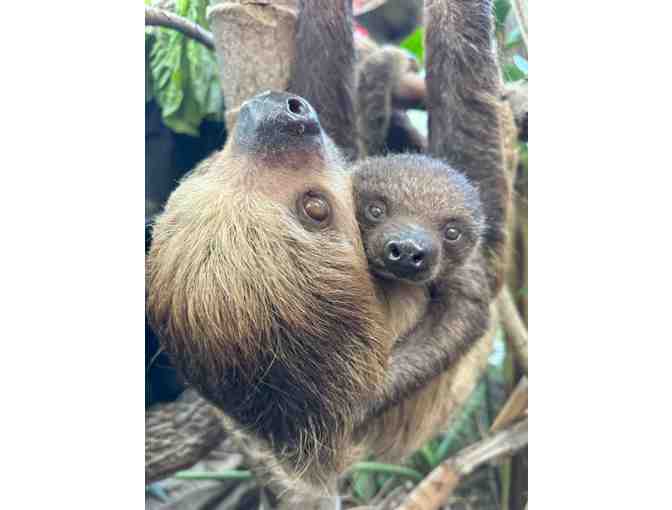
[{"x": 329, "y": 300}]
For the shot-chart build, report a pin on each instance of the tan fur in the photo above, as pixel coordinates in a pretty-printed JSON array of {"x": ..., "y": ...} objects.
[
  {"x": 404, "y": 306},
  {"x": 403, "y": 429},
  {"x": 241, "y": 292}
]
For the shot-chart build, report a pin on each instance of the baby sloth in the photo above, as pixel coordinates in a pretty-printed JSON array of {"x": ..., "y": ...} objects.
[{"x": 421, "y": 223}]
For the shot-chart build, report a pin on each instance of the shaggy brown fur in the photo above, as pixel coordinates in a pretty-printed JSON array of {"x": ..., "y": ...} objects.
[
  {"x": 272, "y": 320},
  {"x": 470, "y": 128},
  {"x": 322, "y": 70},
  {"x": 467, "y": 123},
  {"x": 421, "y": 197},
  {"x": 437, "y": 319}
]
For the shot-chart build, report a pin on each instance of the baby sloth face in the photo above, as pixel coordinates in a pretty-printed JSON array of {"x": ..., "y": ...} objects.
[{"x": 419, "y": 218}]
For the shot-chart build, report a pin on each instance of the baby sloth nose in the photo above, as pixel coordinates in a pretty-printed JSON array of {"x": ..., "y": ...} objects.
[{"x": 409, "y": 257}]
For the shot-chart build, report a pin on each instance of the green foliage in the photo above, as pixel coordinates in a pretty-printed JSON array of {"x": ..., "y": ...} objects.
[
  {"x": 514, "y": 66},
  {"x": 513, "y": 39},
  {"x": 502, "y": 9},
  {"x": 415, "y": 44},
  {"x": 389, "y": 469},
  {"x": 517, "y": 70},
  {"x": 369, "y": 477},
  {"x": 182, "y": 73},
  {"x": 364, "y": 485},
  {"x": 225, "y": 474},
  {"x": 522, "y": 155}
]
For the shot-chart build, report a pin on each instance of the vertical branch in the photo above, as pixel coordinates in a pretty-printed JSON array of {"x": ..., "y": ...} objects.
[{"x": 520, "y": 10}]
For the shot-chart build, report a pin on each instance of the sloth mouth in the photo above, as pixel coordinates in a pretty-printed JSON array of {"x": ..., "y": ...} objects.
[{"x": 418, "y": 279}]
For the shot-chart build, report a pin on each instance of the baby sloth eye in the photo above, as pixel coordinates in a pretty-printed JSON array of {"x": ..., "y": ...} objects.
[
  {"x": 375, "y": 211},
  {"x": 451, "y": 233},
  {"x": 316, "y": 208}
]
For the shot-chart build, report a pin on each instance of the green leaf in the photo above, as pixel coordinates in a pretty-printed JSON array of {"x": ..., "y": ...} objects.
[
  {"x": 428, "y": 455},
  {"x": 225, "y": 474},
  {"x": 390, "y": 469},
  {"x": 512, "y": 73},
  {"x": 502, "y": 9},
  {"x": 184, "y": 76},
  {"x": 415, "y": 44},
  {"x": 364, "y": 485},
  {"x": 520, "y": 63}
]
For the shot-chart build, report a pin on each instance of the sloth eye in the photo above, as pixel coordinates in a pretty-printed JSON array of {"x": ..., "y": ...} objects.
[
  {"x": 375, "y": 211},
  {"x": 316, "y": 208},
  {"x": 452, "y": 233}
]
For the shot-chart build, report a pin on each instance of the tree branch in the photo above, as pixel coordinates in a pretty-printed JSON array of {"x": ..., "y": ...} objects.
[
  {"x": 179, "y": 434},
  {"x": 435, "y": 489},
  {"x": 513, "y": 326},
  {"x": 514, "y": 408},
  {"x": 520, "y": 11},
  {"x": 161, "y": 18}
]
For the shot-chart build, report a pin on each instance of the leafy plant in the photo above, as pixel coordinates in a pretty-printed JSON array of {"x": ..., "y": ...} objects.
[
  {"x": 517, "y": 70},
  {"x": 502, "y": 8},
  {"x": 415, "y": 44},
  {"x": 182, "y": 73}
]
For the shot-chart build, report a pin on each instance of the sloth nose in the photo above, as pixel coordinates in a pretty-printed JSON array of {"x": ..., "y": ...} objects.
[
  {"x": 298, "y": 109},
  {"x": 274, "y": 117},
  {"x": 408, "y": 257}
]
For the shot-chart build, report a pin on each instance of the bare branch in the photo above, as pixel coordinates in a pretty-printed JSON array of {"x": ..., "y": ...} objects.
[
  {"x": 435, "y": 489},
  {"x": 514, "y": 408},
  {"x": 513, "y": 326},
  {"x": 179, "y": 434},
  {"x": 162, "y": 18},
  {"x": 520, "y": 10}
]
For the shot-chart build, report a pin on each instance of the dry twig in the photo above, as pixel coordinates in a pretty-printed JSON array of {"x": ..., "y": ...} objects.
[
  {"x": 513, "y": 326},
  {"x": 433, "y": 491},
  {"x": 520, "y": 11},
  {"x": 514, "y": 408}
]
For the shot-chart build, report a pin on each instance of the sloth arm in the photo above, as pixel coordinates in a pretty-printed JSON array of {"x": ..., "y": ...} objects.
[
  {"x": 457, "y": 316},
  {"x": 466, "y": 120},
  {"x": 327, "y": 78}
]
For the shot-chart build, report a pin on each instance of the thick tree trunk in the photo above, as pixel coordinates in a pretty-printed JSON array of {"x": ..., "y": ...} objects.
[{"x": 254, "y": 41}]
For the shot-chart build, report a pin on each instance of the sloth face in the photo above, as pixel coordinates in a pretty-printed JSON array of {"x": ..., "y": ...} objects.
[{"x": 419, "y": 218}]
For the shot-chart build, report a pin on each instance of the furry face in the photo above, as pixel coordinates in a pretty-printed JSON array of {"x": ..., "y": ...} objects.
[{"x": 419, "y": 218}]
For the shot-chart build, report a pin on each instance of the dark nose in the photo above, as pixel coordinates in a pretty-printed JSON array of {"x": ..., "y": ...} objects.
[
  {"x": 409, "y": 256},
  {"x": 276, "y": 118}
]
